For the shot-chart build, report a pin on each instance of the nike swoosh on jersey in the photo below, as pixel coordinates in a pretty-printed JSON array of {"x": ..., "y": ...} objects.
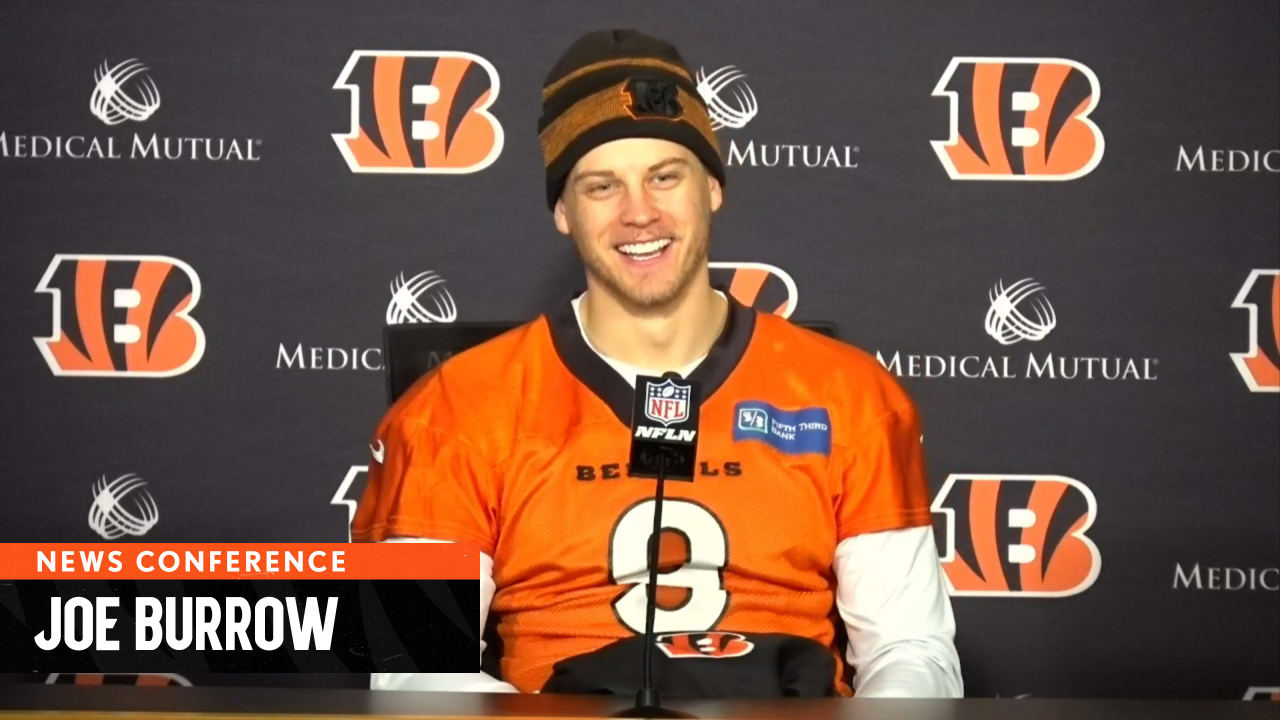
[{"x": 378, "y": 452}]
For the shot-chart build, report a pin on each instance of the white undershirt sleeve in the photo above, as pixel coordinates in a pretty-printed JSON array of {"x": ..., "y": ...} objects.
[
  {"x": 450, "y": 682},
  {"x": 892, "y": 597}
]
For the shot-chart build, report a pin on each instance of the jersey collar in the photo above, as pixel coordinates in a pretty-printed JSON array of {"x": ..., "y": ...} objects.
[{"x": 591, "y": 370}]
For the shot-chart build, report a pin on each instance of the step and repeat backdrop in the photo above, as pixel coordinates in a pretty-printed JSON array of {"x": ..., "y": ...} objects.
[{"x": 1058, "y": 224}]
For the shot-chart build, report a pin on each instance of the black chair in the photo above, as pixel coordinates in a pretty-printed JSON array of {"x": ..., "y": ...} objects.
[{"x": 409, "y": 351}]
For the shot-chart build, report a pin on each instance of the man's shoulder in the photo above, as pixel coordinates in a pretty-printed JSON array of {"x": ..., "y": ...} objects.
[
  {"x": 818, "y": 352},
  {"x": 842, "y": 371}
]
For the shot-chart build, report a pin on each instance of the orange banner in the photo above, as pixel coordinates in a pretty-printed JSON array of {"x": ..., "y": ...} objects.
[{"x": 239, "y": 561}]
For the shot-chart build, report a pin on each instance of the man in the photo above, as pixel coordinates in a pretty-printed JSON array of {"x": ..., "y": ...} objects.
[{"x": 809, "y": 509}]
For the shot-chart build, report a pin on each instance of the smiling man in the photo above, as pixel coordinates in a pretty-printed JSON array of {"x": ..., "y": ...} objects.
[{"x": 804, "y": 539}]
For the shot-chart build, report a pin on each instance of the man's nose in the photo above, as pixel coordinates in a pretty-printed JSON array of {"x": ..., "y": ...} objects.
[{"x": 639, "y": 209}]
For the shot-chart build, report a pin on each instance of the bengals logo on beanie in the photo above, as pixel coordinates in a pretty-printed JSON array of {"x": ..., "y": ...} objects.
[{"x": 614, "y": 84}]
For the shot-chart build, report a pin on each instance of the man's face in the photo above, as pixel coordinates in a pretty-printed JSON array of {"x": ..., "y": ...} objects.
[{"x": 639, "y": 211}]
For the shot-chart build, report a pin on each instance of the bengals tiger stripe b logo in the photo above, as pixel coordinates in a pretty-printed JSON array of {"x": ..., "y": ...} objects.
[
  {"x": 1263, "y": 694},
  {"x": 419, "y": 112},
  {"x": 1260, "y": 366},
  {"x": 121, "y": 316},
  {"x": 757, "y": 285},
  {"x": 1019, "y": 119},
  {"x": 710, "y": 644},
  {"x": 1020, "y": 535}
]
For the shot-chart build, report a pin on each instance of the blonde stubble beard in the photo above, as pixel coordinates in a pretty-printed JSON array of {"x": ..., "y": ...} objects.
[{"x": 599, "y": 269}]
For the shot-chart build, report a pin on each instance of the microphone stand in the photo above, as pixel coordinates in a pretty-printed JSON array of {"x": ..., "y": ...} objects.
[{"x": 648, "y": 704}]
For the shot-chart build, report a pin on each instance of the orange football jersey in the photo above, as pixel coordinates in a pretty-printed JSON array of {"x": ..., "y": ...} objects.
[{"x": 520, "y": 446}]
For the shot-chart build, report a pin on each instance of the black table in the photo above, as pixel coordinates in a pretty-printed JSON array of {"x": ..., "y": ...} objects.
[{"x": 83, "y": 703}]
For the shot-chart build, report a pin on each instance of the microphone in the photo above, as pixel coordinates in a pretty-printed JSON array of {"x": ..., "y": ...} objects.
[{"x": 664, "y": 444}]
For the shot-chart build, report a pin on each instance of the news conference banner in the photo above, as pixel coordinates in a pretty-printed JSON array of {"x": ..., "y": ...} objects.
[{"x": 245, "y": 607}]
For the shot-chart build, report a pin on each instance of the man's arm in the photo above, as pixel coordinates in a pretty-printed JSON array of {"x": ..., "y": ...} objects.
[
  {"x": 893, "y": 600},
  {"x": 450, "y": 682},
  {"x": 427, "y": 480}
]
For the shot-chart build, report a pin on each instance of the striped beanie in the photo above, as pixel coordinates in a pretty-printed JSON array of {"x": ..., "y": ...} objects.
[{"x": 613, "y": 84}]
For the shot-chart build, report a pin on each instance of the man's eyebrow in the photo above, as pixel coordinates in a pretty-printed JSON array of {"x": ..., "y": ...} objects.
[
  {"x": 668, "y": 161},
  {"x": 593, "y": 173},
  {"x": 610, "y": 174}
]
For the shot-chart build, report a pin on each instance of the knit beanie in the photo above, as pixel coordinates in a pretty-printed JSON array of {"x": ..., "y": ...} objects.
[{"x": 613, "y": 84}]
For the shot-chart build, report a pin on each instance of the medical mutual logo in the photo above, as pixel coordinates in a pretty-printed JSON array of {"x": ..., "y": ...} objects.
[
  {"x": 419, "y": 298},
  {"x": 124, "y": 91},
  {"x": 1018, "y": 312},
  {"x": 125, "y": 94},
  {"x": 422, "y": 298},
  {"x": 122, "y": 506},
  {"x": 730, "y": 100},
  {"x": 731, "y": 103}
]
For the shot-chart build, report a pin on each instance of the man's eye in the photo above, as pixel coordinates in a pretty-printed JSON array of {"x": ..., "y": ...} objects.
[
  {"x": 667, "y": 178},
  {"x": 597, "y": 188}
]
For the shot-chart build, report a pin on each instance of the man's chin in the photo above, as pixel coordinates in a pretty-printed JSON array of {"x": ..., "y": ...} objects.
[
  {"x": 652, "y": 298},
  {"x": 644, "y": 294},
  {"x": 641, "y": 297}
]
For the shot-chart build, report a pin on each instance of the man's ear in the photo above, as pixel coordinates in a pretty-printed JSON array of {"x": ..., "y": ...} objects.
[
  {"x": 715, "y": 192},
  {"x": 561, "y": 218}
]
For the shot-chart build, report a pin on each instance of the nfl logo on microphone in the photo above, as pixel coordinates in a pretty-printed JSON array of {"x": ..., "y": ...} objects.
[{"x": 666, "y": 402}]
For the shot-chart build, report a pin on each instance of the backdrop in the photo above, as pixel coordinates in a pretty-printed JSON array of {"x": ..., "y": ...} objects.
[{"x": 1057, "y": 223}]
